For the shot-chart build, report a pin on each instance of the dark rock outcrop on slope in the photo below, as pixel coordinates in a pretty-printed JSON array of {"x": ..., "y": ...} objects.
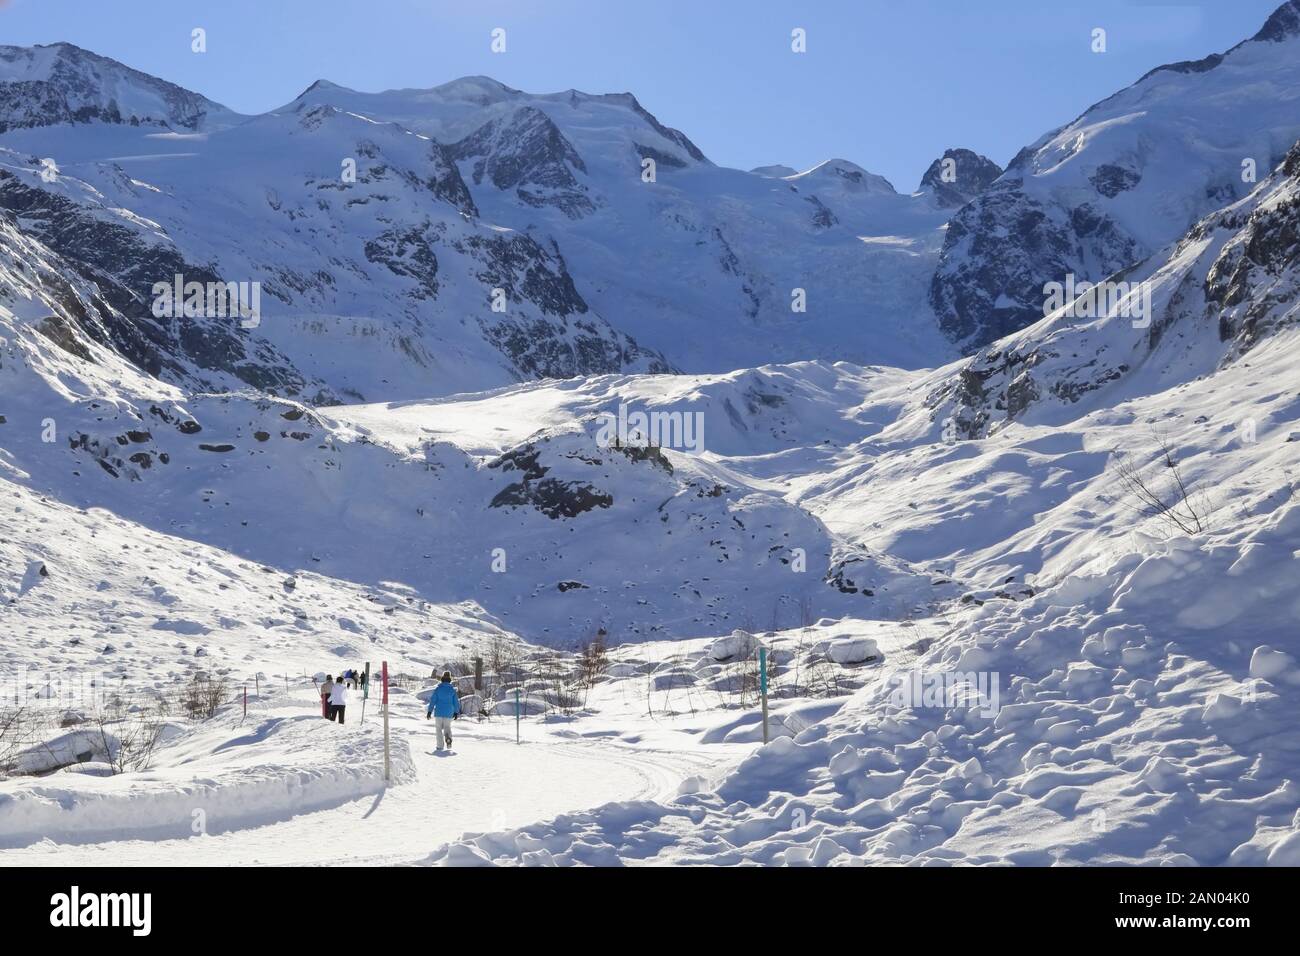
[
  {"x": 527, "y": 153},
  {"x": 66, "y": 247},
  {"x": 971, "y": 174},
  {"x": 1229, "y": 284}
]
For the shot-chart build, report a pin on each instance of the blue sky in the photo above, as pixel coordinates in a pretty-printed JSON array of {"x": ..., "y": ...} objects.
[{"x": 885, "y": 84}]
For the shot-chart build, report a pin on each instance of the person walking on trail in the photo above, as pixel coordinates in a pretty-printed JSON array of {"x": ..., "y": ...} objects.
[
  {"x": 445, "y": 705},
  {"x": 325, "y": 690},
  {"x": 338, "y": 701}
]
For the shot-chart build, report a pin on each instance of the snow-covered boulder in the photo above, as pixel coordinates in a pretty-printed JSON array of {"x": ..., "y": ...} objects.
[
  {"x": 1268, "y": 663},
  {"x": 672, "y": 679},
  {"x": 852, "y": 650},
  {"x": 737, "y": 645},
  {"x": 526, "y": 707}
]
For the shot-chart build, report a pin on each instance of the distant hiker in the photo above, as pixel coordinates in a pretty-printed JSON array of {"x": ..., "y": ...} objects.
[
  {"x": 338, "y": 701},
  {"x": 445, "y": 705},
  {"x": 325, "y": 690},
  {"x": 361, "y": 681}
]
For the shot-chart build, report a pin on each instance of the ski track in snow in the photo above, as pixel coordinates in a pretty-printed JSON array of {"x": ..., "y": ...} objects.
[{"x": 487, "y": 782}]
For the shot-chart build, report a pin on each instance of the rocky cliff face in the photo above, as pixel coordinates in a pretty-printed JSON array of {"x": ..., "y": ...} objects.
[
  {"x": 83, "y": 278},
  {"x": 1232, "y": 281},
  {"x": 958, "y": 176},
  {"x": 526, "y": 152}
]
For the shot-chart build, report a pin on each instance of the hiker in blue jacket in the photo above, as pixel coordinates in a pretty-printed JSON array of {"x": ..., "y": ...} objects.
[{"x": 445, "y": 705}]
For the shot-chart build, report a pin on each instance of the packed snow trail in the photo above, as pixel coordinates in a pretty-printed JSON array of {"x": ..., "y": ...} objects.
[{"x": 486, "y": 782}]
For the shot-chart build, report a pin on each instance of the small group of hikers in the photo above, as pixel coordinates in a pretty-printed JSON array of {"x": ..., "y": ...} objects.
[
  {"x": 444, "y": 702},
  {"x": 334, "y": 693}
]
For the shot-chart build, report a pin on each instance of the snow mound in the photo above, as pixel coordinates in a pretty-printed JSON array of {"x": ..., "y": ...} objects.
[
  {"x": 738, "y": 645},
  {"x": 852, "y": 650},
  {"x": 217, "y": 779},
  {"x": 1110, "y": 732}
]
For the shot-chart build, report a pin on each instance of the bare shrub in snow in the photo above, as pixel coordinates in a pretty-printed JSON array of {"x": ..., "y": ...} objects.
[
  {"x": 203, "y": 696},
  {"x": 505, "y": 660},
  {"x": 15, "y": 736},
  {"x": 593, "y": 660},
  {"x": 126, "y": 740},
  {"x": 1166, "y": 494}
]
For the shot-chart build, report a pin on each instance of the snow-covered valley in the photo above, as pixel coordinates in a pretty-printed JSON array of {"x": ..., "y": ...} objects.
[{"x": 1027, "y": 588}]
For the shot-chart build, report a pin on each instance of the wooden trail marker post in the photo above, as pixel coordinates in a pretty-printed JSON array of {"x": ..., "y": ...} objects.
[
  {"x": 478, "y": 684},
  {"x": 365, "y": 693},
  {"x": 387, "y": 765}
]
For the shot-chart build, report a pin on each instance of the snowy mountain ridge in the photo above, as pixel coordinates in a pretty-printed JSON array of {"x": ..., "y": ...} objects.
[
  {"x": 62, "y": 83},
  {"x": 1119, "y": 182},
  {"x": 548, "y": 185},
  {"x": 1092, "y": 517}
]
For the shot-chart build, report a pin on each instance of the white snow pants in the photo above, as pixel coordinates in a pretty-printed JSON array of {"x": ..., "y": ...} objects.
[{"x": 442, "y": 731}]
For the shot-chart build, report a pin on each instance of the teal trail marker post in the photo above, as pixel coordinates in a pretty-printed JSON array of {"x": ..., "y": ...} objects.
[
  {"x": 762, "y": 685},
  {"x": 516, "y": 715}
]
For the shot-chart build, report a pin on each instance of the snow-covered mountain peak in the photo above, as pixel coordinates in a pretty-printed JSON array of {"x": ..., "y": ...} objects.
[
  {"x": 840, "y": 175},
  {"x": 321, "y": 87},
  {"x": 478, "y": 90},
  {"x": 613, "y": 123},
  {"x": 1282, "y": 24},
  {"x": 775, "y": 171},
  {"x": 62, "y": 83},
  {"x": 1125, "y": 178}
]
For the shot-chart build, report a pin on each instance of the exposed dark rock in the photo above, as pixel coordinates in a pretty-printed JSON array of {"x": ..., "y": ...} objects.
[
  {"x": 527, "y": 152},
  {"x": 553, "y": 498},
  {"x": 1111, "y": 180},
  {"x": 972, "y": 173}
]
